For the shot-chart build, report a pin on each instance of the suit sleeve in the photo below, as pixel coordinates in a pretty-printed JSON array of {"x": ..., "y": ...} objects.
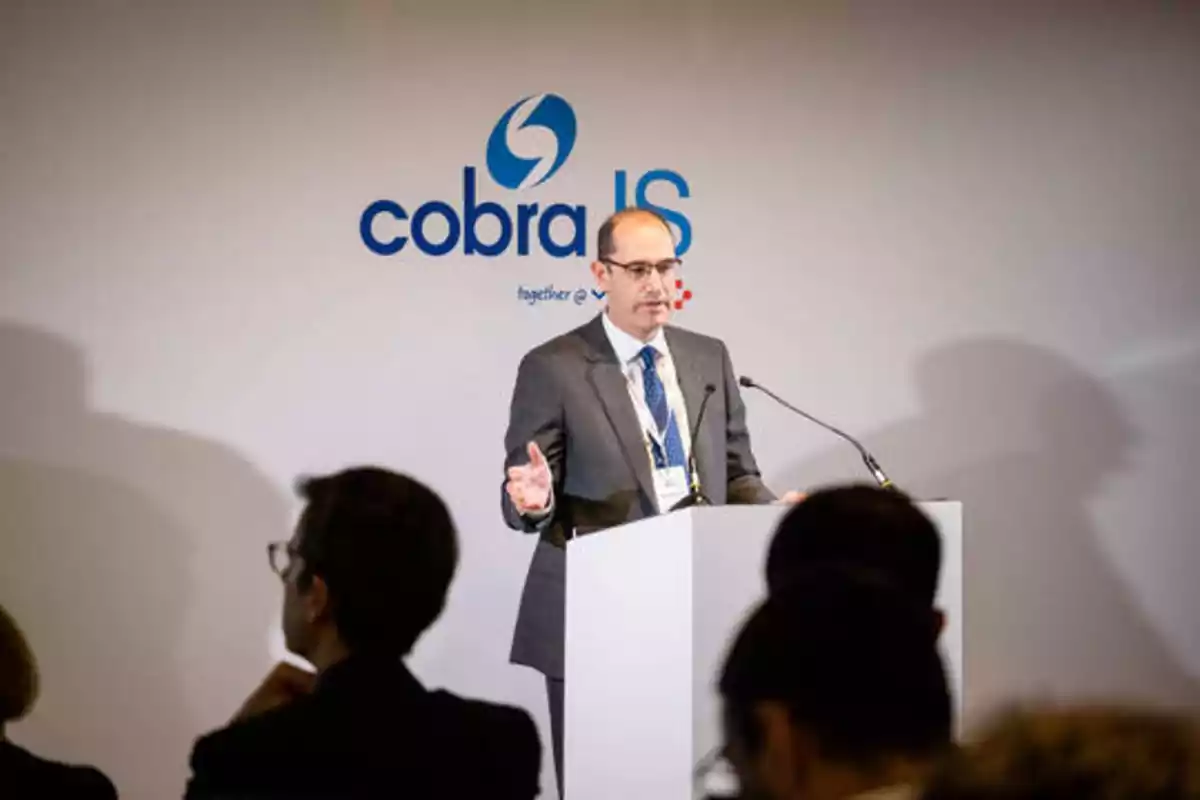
[
  {"x": 95, "y": 784},
  {"x": 232, "y": 762},
  {"x": 535, "y": 414},
  {"x": 203, "y": 783},
  {"x": 745, "y": 481},
  {"x": 523, "y": 766}
]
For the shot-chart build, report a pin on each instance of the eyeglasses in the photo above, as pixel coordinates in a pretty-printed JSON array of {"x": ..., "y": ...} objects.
[
  {"x": 281, "y": 555},
  {"x": 640, "y": 270}
]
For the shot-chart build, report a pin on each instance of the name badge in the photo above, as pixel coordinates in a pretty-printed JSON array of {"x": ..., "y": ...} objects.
[{"x": 670, "y": 486}]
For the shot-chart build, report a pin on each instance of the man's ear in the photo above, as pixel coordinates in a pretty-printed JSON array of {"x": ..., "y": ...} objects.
[
  {"x": 316, "y": 600},
  {"x": 939, "y": 623},
  {"x": 600, "y": 273}
]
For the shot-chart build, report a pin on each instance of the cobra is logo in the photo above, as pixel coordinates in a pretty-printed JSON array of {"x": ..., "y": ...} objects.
[{"x": 529, "y": 144}]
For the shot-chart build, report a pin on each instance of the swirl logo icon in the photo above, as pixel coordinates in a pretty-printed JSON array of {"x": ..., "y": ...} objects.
[{"x": 547, "y": 112}]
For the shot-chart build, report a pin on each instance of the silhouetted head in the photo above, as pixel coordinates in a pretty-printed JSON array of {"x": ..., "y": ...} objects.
[
  {"x": 369, "y": 566},
  {"x": 860, "y": 527},
  {"x": 18, "y": 672},
  {"x": 833, "y": 686}
]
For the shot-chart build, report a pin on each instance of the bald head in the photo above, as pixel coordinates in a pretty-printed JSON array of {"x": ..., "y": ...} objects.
[{"x": 606, "y": 243}]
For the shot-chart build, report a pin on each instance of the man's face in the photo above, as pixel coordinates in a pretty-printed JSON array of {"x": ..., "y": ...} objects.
[
  {"x": 297, "y": 628},
  {"x": 640, "y": 297}
]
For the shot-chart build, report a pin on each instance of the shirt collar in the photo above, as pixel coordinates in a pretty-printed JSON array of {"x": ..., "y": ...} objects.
[{"x": 626, "y": 346}]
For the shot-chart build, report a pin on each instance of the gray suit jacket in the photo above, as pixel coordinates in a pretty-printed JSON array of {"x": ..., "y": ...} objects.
[{"x": 571, "y": 397}]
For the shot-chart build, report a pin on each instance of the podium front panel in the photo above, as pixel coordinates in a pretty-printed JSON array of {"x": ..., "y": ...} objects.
[{"x": 651, "y": 609}]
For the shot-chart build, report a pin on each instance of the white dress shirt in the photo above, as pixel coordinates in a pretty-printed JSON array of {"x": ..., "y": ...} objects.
[{"x": 627, "y": 349}]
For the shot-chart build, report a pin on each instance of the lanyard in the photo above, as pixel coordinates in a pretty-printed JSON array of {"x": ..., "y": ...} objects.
[
  {"x": 658, "y": 449},
  {"x": 658, "y": 442}
]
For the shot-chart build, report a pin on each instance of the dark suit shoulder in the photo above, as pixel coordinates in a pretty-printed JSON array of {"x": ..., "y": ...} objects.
[
  {"x": 355, "y": 738},
  {"x": 504, "y": 737},
  {"x": 506, "y": 727},
  {"x": 496, "y": 716},
  {"x": 304, "y": 749},
  {"x": 87, "y": 783},
  {"x": 26, "y": 775},
  {"x": 246, "y": 740},
  {"x": 699, "y": 341},
  {"x": 573, "y": 342}
]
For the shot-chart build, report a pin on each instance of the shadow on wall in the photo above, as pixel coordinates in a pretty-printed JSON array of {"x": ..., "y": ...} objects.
[
  {"x": 133, "y": 556},
  {"x": 1027, "y": 441}
]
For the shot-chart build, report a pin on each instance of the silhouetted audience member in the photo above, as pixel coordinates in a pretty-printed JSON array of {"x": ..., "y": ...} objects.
[
  {"x": 860, "y": 527},
  {"x": 1076, "y": 754},
  {"x": 833, "y": 689},
  {"x": 365, "y": 574},
  {"x": 22, "y": 774}
]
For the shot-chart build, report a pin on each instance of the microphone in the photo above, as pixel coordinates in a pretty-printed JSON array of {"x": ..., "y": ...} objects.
[
  {"x": 872, "y": 465},
  {"x": 696, "y": 496}
]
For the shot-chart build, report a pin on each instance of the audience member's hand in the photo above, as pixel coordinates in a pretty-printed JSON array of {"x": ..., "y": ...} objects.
[
  {"x": 792, "y": 497},
  {"x": 284, "y": 684},
  {"x": 528, "y": 486}
]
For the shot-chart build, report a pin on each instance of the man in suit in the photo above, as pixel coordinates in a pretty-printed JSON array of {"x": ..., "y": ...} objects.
[
  {"x": 365, "y": 574},
  {"x": 600, "y": 430},
  {"x": 22, "y": 774}
]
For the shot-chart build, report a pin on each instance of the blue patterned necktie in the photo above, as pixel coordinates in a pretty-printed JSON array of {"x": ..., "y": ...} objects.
[{"x": 656, "y": 401}]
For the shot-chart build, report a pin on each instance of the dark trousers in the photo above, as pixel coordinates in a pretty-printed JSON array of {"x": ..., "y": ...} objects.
[{"x": 554, "y": 693}]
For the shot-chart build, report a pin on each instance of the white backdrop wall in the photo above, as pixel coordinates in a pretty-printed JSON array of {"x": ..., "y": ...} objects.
[{"x": 967, "y": 231}]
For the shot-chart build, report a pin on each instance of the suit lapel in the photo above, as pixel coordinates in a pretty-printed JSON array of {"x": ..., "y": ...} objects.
[
  {"x": 691, "y": 379},
  {"x": 608, "y": 379}
]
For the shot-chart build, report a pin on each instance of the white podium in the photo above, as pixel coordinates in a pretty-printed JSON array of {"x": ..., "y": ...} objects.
[{"x": 651, "y": 608}]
